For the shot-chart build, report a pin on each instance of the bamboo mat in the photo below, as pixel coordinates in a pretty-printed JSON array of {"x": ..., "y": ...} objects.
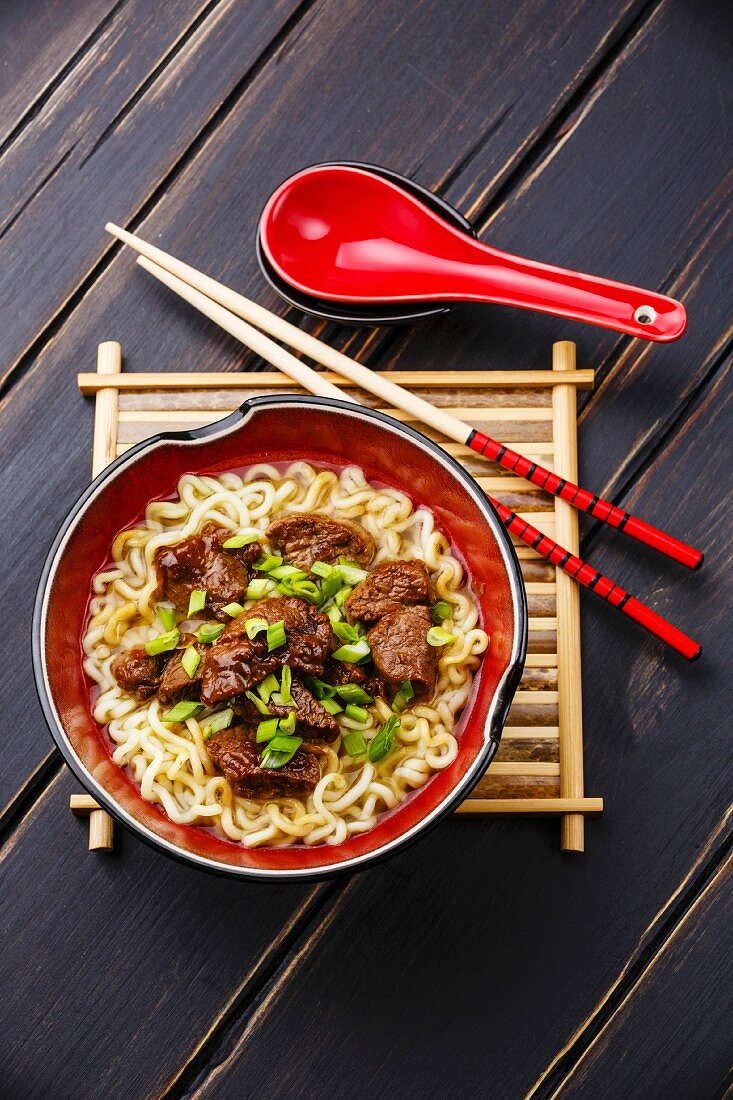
[{"x": 539, "y": 766}]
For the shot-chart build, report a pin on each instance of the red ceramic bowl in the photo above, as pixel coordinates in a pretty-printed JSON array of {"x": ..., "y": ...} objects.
[{"x": 277, "y": 429}]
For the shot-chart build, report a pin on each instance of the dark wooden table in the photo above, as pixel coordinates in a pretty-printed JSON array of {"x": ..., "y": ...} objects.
[{"x": 482, "y": 962}]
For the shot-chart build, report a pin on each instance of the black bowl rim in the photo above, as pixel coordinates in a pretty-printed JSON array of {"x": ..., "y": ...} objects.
[
  {"x": 502, "y": 697},
  {"x": 344, "y": 313}
]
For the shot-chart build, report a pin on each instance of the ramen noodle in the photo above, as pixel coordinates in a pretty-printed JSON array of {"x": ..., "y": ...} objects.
[{"x": 170, "y": 761}]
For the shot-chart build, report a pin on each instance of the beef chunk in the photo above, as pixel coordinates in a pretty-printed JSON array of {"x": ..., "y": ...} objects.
[
  {"x": 236, "y": 667},
  {"x": 400, "y": 649},
  {"x": 200, "y": 562},
  {"x": 312, "y": 537},
  {"x": 389, "y": 587},
  {"x": 308, "y": 632},
  {"x": 312, "y": 720},
  {"x": 338, "y": 673},
  {"x": 176, "y": 683},
  {"x": 235, "y": 664},
  {"x": 137, "y": 673},
  {"x": 235, "y": 754}
]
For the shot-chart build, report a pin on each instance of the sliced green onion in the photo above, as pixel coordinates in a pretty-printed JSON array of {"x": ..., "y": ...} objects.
[
  {"x": 319, "y": 688},
  {"x": 285, "y": 682},
  {"x": 167, "y": 615},
  {"x": 353, "y": 651},
  {"x": 209, "y": 632},
  {"x": 277, "y": 699},
  {"x": 440, "y": 611},
  {"x": 267, "y": 729},
  {"x": 280, "y": 572},
  {"x": 279, "y": 751},
  {"x": 382, "y": 743},
  {"x": 266, "y": 688},
  {"x": 233, "y": 609},
  {"x": 345, "y": 632},
  {"x": 276, "y": 635},
  {"x": 335, "y": 614},
  {"x": 331, "y": 706},
  {"x": 306, "y": 590},
  {"x": 268, "y": 562},
  {"x": 190, "y": 661},
  {"x": 196, "y": 601},
  {"x": 183, "y": 710},
  {"x": 236, "y": 542},
  {"x": 403, "y": 696},
  {"x": 258, "y": 588},
  {"x": 253, "y": 627},
  {"x": 437, "y": 636},
  {"x": 352, "y": 693},
  {"x": 331, "y": 585},
  {"x": 341, "y": 595},
  {"x": 357, "y": 713},
  {"x": 287, "y": 724},
  {"x": 257, "y": 702},
  {"x": 219, "y": 721},
  {"x": 286, "y": 742},
  {"x": 322, "y": 569},
  {"x": 351, "y": 572},
  {"x": 163, "y": 643},
  {"x": 355, "y": 744}
]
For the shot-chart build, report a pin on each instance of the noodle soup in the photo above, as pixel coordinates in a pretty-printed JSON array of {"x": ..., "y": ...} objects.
[{"x": 324, "y": 691}]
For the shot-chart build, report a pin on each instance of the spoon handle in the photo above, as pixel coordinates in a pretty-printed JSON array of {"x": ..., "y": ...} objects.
[{"x": 504, "y": 279}]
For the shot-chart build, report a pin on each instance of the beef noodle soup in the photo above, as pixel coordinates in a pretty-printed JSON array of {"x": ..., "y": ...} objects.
[{"x": 282, "y": 654}]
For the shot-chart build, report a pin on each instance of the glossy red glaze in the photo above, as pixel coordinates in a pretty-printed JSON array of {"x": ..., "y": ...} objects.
[
  {"x": 275, "y": 430},
  {"x": 344, "y": 234}
]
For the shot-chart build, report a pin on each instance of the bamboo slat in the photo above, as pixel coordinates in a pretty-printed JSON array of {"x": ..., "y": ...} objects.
[
  {"x": 570, "y": 707},
  {"x": 539, "y": 769}
]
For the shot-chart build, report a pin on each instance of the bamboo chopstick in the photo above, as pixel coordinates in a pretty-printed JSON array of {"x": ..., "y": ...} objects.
[
  {"x": 582, "y": 499},
  {"x": 311, "y": 380}
]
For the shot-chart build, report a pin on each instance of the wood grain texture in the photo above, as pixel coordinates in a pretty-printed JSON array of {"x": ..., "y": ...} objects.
[
  {"x": 362, "y": 47},
  {"x": 120, "y": 982},
  {"x": 502, "y": 892},
  {"x": 618, "y": 156},
  {"x": 686, "y": 991},
  {"x": 100, "y": 148},
  {"x": 605, "y": 146},
  {"x": 40, "y": 42}
]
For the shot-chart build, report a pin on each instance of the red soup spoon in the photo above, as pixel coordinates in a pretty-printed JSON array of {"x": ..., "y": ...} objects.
[{"x": 344, "y": 234}]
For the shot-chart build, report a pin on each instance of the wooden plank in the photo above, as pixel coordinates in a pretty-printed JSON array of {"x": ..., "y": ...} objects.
[
  {"x": 687, "y": 992},
  {"x": 165, "y": 927},
  {"x": 620, "y": 228},
  {"x": 360, "y": 46},
  {"x": 660, "y": 758},
  {"x": 548, "y": 902},
  {"x": 38, "y": 49},
  {"x": 271, "y": 123},
  {"x": 96, "y": 147}
]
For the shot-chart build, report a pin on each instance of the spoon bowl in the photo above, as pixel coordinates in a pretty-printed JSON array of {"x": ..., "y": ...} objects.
[
  {"x": 348, "y": 235},
  {"x": 380, "y": 313}
]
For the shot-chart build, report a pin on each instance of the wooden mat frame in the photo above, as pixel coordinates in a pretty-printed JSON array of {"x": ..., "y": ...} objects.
[{"x": 539, "y": 767}]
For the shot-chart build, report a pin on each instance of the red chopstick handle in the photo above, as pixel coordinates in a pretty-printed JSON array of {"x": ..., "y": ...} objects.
[
  {"x": 601, "y": 585},
  {"x": 585, "y": 501}
]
